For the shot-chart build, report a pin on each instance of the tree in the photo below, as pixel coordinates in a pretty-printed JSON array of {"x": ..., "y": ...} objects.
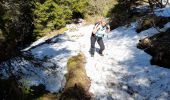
[
  {"x": 49, "y": 16},
  {"x": 24, "y": 20},
  {"x": 78, "y": 7},
  {"x": 54, "y": 14},
  {"x": 122, "y": 11},
  {"x": 16, "y": 27}
]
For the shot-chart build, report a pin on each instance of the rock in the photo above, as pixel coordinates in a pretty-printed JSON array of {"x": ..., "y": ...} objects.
[
  {"x": 77, "y": 81},
  {"x": 158, "y": 46},
  {"x": 144, "y": 43},
  {"x": 151, "y": 21}
]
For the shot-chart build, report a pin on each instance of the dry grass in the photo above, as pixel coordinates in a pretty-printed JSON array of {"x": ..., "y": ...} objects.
[
  {"x": 92, "y": 19},
  {"x": 103, "y": 6},
  {"x": 53, "y": 33},
  {"x": 56, "y": 32}
]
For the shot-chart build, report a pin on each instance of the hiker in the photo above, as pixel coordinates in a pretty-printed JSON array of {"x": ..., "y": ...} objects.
[{"x": 99, "y": 30}]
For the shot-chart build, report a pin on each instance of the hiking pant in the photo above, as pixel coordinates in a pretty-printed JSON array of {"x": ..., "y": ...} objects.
[{"x": 99, "y": 41}]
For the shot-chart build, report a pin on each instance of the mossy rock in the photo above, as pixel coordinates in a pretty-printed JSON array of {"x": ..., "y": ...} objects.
[
  {"x": 144, "y": 43},
  {"x": 77, "y": 81},
  {"x": 49, "y": 96},
  {"x": 74, "y": 61}
]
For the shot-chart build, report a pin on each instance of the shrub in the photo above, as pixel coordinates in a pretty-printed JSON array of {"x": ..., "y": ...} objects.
[{"x": 49, "y": 16}]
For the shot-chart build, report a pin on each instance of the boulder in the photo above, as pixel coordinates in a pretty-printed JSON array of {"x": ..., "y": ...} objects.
[
  {"x": 158, "y": 46},
  {"x": 151, "y": 21},
  {"x": 77, "y": 82},
  {"x": 144, "y": 43}
]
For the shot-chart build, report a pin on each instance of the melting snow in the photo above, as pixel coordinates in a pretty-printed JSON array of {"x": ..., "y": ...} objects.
[
  {"x": 163, "y": 12},
  {"x": 124, "y": 73}
]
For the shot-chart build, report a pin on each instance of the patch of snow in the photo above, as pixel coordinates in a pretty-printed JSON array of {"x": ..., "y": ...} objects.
[
  {"x": 41, "y": 40},
  {"x": 163, "y": 12},
  {"x": 124, "y": 63}
]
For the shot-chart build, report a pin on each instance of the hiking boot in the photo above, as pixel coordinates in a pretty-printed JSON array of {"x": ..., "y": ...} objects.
[{"x": 101, "y": 54}]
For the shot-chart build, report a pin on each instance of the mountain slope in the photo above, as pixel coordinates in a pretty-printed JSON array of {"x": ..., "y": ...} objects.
[{"x": 124, "y": 73}]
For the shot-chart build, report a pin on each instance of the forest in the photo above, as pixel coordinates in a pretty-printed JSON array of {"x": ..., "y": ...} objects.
[{"x": 44, "y": 50}]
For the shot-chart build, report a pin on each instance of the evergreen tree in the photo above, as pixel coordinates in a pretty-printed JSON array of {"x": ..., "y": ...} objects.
[
  {"x": 16, "y": 27},
  {"x": 54, "y": 14},
  {"x": 78, "y": 7},
  {"x": 49, "y": 16}
]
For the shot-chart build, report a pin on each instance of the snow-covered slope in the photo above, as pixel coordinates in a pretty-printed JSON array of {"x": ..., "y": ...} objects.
[{"x": 124, "y": 73}]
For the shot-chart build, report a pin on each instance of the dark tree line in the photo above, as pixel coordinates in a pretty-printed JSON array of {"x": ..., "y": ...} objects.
[
  {"x": 16, "y": 27},
  {"x": 23, "y": 21}
]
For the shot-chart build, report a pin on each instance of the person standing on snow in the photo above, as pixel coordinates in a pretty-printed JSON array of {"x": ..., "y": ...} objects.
[{"x": 99, "y": 30}]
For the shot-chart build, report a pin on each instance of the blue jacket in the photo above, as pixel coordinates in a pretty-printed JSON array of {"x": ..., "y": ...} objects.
[{"x": 101, "y": 31}]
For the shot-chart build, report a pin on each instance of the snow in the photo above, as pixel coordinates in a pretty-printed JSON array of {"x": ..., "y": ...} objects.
[
  {"x": 163, "y": 12},
  {"x": 124, "y": 64},
  {"x": 124, "y": 73},
  {"x": 39, "y": 41}
]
